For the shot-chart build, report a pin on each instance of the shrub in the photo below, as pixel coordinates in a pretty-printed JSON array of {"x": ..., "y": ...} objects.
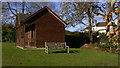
[
  {"x": 76, "y": 39},
  {"x": 103, "y": 41}
]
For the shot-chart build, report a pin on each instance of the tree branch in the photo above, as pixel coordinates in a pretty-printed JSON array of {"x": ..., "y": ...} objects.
[
  {"x": 10, "y": 8},
  {"x": 23, "y": 7},
  {"x": 100, "y": 14},
  {"x": 115, "y": 19},
  {"x": 100, "y": 9}
]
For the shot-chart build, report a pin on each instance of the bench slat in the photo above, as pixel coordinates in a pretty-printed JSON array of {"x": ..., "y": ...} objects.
[{"x": 54, "y": 46}]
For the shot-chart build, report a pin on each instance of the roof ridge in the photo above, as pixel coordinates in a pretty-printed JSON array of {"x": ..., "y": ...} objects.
[{"x": 49, "y": 10}]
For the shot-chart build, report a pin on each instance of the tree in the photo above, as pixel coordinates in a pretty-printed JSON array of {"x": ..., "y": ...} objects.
[
  {"x": 77, "y": 12},
  {"x": 110, "y": 13},
  {"x": 8, "y": 32}
]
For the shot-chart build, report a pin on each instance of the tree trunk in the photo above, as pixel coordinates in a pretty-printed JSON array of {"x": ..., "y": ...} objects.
[{"x": 90, "y": 25}]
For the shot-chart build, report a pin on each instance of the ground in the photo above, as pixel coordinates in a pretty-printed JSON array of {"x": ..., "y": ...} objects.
[
  {"x": 94, "y": 47},
  {"x": 13, "y": 56}
]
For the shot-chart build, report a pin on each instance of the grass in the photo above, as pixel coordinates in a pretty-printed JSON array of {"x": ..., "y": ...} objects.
[
  {"x": 0, "y": 53},
  {"x": 13, "y": 56}
]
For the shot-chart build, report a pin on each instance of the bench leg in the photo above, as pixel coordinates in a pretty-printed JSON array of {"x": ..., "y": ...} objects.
[
  {"x": 46, "y": 48},
  {"x": 67, "y": 48},
  {"x": 46, "y": 51}
]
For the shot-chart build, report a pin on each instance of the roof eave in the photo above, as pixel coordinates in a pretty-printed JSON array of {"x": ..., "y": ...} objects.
[{"x": 41, "y": 11}]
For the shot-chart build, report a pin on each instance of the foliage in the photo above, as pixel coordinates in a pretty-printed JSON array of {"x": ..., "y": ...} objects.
[
  {"x": 103, "y": 37},
  {"x": 110, "y": 13},
  {"x": 8, "y": 32},
  {"x": 76, "y": 39},
  {"x": 13, "y": 56},
  {"x": 103, "y": 42}
]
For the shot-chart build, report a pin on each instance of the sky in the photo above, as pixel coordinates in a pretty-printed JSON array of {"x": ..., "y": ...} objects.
[{"x": 79, "y": 26}]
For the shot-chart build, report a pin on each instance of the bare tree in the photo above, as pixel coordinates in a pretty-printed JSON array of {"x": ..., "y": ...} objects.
[{"x": 77, "y": 12}]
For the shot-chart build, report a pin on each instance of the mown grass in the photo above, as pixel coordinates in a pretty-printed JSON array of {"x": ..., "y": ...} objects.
[{"x": 13, "y": 56}]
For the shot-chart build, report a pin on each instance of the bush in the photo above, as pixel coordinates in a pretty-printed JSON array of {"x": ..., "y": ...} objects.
[
  {"x": 9, "y": 36},
  {"x": 8, "y": 32},
  {"x": 76, "y": 39},
  {"x": 103, "y": 41}
]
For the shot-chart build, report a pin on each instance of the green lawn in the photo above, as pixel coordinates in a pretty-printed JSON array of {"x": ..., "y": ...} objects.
[{"x": 13, "y": 56}]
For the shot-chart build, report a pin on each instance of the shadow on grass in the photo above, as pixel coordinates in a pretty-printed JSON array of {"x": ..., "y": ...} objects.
[{"x": 63, "y": 51}]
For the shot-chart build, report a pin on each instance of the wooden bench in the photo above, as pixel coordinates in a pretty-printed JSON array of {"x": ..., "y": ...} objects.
[{"x": 55, "y": 46}]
